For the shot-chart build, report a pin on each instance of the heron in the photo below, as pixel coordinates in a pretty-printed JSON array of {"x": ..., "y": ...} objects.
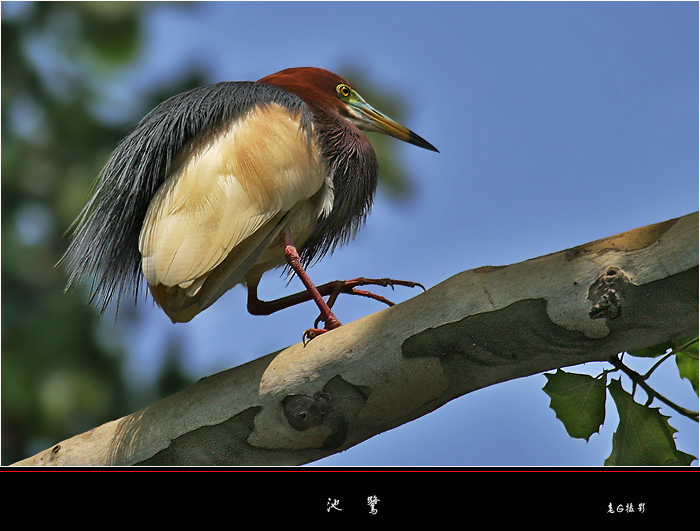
[{"x": 222, "y": 183}]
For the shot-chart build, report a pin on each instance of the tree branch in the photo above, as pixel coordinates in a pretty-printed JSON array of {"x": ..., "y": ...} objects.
[
  {"x": 640, "y": 380},
  {"x": 478, "y": 328}
]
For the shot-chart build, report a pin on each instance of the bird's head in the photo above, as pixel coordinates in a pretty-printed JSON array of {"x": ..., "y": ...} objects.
[{"x": 327, "y": 92}]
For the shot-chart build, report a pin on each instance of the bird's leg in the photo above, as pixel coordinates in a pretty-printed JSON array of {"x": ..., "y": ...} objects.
[
  {"x": 330, "y": 289},
  {"x": 316, "y": 293},
  {"x": 292, "y": 256}
]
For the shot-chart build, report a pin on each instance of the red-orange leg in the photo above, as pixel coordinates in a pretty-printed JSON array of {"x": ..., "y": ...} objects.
[{"x": 316, "y": 293}]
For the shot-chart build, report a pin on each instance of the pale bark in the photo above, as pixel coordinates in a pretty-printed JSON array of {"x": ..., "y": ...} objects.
[{"x": 473, "y": 330}]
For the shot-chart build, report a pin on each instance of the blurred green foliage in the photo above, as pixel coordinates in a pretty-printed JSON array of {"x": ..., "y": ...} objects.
[{"x": 61, "y": 375}]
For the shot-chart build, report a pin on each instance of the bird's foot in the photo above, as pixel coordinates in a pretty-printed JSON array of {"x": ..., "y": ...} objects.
[
  {"x": 312, "y": 333},
  {"x": 350, "y": 287},
  {"x": 330, "y": 322}
]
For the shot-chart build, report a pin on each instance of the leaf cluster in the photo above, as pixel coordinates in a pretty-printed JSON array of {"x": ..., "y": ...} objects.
[{"x": 643, "y": 436}]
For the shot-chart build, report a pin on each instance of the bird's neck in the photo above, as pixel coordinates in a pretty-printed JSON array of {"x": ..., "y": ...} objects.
[{"x": 353, "y": 166}]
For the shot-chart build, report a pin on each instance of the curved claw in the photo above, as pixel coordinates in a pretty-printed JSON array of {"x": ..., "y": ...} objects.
[{"x": 311, "y": 333}]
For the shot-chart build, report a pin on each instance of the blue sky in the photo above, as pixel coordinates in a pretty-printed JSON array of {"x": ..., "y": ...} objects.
[{"x": 557, "y": 124}]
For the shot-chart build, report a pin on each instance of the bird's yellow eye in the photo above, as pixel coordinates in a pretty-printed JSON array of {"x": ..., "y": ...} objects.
[{"x": 343, "y": 90}]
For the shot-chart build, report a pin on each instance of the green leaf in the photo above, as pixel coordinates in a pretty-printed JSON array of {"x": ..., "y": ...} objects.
[
  {"x": 653, "y": 351},
  {"x": 578, "y": 400},
  {"x": 687, "y": 362},
  {"x": 643, "y": 437}
]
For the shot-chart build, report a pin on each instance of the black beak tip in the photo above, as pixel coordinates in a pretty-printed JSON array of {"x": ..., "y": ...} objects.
[{"x": 421, "y": 142}]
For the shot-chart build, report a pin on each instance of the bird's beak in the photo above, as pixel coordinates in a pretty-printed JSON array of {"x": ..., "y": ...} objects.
[{"x": 368, "y": 118}]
